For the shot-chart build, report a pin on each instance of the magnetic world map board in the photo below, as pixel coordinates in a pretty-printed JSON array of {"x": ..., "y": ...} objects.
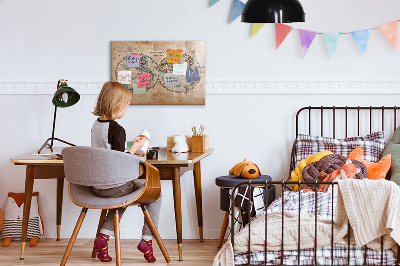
[{"x": 157, "y": 72}]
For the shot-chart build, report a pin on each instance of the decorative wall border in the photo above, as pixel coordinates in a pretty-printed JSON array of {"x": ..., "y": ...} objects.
[{"x": 233, "y": 87}]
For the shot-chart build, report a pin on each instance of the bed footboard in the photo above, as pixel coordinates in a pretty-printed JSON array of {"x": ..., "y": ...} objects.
[{"x": 310, "y": 254}]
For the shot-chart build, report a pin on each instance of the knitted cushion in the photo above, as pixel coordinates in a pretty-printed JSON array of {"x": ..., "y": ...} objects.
[
  {"x": 372, "y": 144},
  {"x": 328, "y": 164}
]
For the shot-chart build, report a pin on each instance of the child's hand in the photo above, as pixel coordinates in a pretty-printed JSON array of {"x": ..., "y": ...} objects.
[{"x": 137, "y": 144}]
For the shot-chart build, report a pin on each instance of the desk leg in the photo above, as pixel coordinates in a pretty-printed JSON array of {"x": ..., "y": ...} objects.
[
  {"x": 27, "y": 206},
  {"x": 60, "y": 190},
  {"x": 176, "y": 182},
  {"x": 199, "y": 204}
]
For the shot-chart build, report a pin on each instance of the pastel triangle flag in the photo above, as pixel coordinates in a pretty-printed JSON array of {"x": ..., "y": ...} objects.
[
  {"x": 281, "y": 31},
  {"x": 237, "y": 9},
  {"x": 361, "y": 37},
  {"x": 389, "y": 30},
  {"x": 332, "y": 41},
  {"x": 256, "y": 28},
  {"x": 213, "y": 2},
  {"x": 306, "y": 39}
]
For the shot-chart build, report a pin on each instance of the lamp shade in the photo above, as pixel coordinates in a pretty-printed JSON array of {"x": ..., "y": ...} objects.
[
  {"x": 65, "y": 96},
  {"x": 273, "y": 11}
]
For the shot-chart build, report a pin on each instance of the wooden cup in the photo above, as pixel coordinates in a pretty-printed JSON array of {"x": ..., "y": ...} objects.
[{"x": 200, "y": 143}]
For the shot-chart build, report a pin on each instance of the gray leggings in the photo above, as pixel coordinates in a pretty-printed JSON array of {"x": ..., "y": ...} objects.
[{"x": 154, "y": 208}]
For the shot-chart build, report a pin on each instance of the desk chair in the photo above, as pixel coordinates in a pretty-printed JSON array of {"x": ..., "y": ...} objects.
[{"x": 85, "y": 167}]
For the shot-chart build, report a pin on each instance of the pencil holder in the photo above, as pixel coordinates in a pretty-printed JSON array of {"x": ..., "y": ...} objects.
[{"x": 200, "y": 143}]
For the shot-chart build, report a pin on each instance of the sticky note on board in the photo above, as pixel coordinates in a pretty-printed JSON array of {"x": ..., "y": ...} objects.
[
  {"x": 170, "y": 79},
  {"x": 136, "y": 90},
  {"x": 144, "y": 80},
  {"x": 180, "y": 69},
  {"x": 174, "y": 56},
  {"x": 192, "y": 74},
  {"x": 133, "y": 60},
  {"x": 125, "y": 77}
]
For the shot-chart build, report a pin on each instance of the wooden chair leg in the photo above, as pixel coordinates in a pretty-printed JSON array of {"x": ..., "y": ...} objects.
[
  {"x": 154, "y": 230},
  {"x": 223, "y": 229},
  {"x": 101, "y": 222},
  {"x": 117, "y": 238},
  {"x": 73, "y": 237}
]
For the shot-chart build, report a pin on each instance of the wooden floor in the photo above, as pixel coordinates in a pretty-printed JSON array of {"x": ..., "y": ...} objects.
[{"x": 50, "y": 252}]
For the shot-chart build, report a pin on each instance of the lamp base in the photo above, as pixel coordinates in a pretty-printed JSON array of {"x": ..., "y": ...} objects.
[{"x": 50, "y": 146}]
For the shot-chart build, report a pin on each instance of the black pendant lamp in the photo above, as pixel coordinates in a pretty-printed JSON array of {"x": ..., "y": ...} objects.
[{"x": 273, "y": 11}]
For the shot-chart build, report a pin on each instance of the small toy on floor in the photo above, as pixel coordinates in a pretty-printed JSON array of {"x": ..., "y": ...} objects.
[
  {"x": 1, "y": 219},
  {"x": 13, "y": 215}
]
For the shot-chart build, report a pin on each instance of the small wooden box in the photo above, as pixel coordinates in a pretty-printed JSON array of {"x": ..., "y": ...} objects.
[
  {"x": 200, "y": 143},
  {"x": 171, "y": 143}
]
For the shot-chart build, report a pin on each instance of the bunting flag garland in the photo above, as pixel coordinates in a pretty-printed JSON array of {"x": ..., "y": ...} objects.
[
  {"x": 306, "y": 39},
  {"x": 237, "y": 9},
  {"x": 213, "y": 2},
  {"x": 281, "y": 31},
  {"x": 332, "y": 41},
  {"x": 389, "y": 30},
  {"x": 361, "y": 38},
  {"x": 256, "y": 28}
]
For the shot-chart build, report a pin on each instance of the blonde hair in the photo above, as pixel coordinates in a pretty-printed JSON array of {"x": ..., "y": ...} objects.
[{"x": 112, "y": 99}]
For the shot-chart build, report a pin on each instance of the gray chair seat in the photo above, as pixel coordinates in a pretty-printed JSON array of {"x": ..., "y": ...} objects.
[{"x": 83, "y": 196}]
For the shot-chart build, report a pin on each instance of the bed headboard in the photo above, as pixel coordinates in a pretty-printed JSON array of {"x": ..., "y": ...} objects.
[
  {"x": 347, "y": 115},
  {"x": 344, "y": 121}
]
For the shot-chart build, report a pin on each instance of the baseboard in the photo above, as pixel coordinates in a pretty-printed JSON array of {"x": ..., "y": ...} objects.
[{"x": 231, "y": 87}]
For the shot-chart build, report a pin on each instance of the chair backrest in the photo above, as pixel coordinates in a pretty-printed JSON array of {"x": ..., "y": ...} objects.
[{"x": 92, "y": 166}]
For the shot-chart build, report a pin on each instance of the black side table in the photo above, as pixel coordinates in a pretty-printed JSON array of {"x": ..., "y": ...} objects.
[{"x": 226, "y": 183}]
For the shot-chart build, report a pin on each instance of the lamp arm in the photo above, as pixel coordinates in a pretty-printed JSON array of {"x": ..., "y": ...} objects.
[
  {"x": 54, "y": 118},
  {"x": 54, "y": 126}
]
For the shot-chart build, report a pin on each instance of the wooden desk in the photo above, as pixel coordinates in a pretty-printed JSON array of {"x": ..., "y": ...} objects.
[{"x": 168, "y": 164}]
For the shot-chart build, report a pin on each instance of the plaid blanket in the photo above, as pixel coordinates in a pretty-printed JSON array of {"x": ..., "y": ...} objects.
[{"x": 323, "y": 205}]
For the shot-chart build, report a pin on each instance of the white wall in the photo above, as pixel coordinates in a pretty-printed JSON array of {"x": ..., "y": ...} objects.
[{"x": 42, "y": 41}]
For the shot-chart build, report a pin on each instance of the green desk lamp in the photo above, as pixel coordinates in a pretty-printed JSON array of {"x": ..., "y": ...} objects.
[{"x": 65, "y": 96}]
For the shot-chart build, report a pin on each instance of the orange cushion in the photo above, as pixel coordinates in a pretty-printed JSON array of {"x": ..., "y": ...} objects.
[{"x": 375, "y": 170}]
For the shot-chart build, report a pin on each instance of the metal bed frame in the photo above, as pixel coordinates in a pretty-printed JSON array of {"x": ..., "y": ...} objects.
[{"x": 283, "y": 184}]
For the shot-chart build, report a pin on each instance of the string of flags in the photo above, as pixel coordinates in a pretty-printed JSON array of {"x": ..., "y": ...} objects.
[{"x": 361, "y": 37}]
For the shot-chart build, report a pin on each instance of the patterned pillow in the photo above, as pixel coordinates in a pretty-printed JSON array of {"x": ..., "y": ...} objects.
[{"x": 372, "y": 145}]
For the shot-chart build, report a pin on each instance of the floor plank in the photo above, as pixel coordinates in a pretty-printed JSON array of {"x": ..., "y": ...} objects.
[{"x": 49, "y": 252}]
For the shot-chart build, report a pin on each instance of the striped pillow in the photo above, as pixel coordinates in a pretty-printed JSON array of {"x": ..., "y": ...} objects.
[{"x": 372, "y": 145}]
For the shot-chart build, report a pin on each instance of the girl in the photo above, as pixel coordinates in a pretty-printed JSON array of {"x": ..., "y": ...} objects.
[{"x": 112, "y": 103}]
